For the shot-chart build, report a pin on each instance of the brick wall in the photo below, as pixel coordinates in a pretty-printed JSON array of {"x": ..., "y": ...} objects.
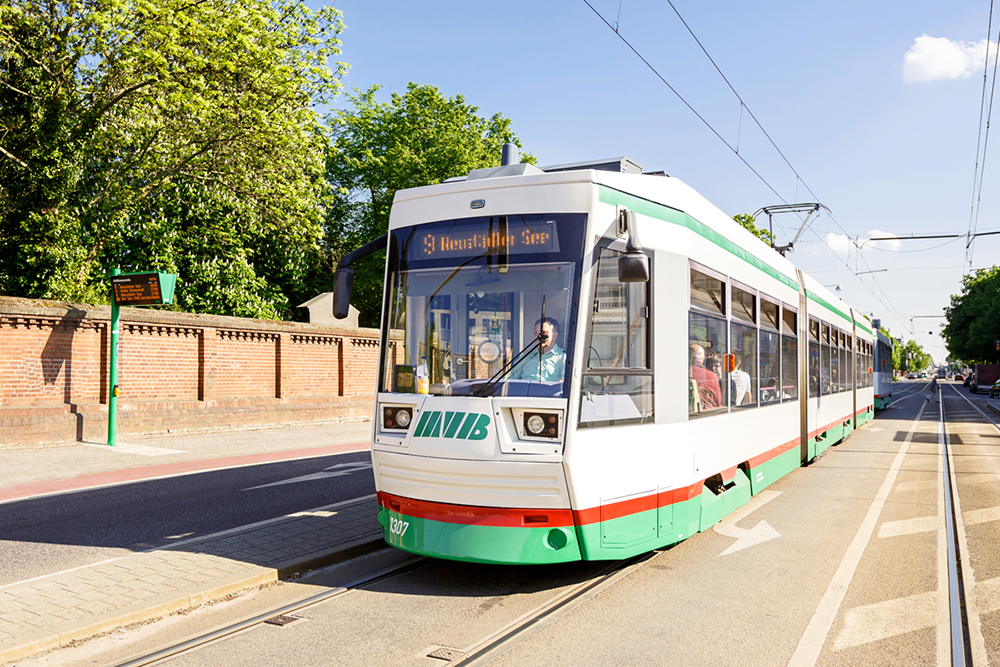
[{"x": 176, "y": 371}]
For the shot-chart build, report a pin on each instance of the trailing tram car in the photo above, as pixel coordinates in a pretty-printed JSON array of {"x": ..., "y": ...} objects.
[
  {"x": 883, "y": 378},
  {"x": 550, "y": 389}
]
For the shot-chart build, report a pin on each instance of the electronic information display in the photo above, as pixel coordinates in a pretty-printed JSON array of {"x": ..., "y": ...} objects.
[
  {"x": 141, "y": 289},
  {"x": 484, "y": 238}
]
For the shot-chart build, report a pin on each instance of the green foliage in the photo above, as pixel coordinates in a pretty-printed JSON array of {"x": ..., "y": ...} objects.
[
  {"x": 170, "y": 135},
  {"x": 747, "y": 222},
  {"x": 418, "y": 138},
  {"x": 910, "y": 357},
  {"x": 973, "y": 318}
]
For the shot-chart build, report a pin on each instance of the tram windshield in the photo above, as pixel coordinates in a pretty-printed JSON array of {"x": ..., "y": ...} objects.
[{"x": 483, "y": 306}]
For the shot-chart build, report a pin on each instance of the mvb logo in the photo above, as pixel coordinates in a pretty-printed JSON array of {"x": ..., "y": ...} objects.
[{"x": 461, "y": 425}]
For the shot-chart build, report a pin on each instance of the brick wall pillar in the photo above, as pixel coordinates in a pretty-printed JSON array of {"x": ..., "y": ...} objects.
[
  {"x": 206, "y": 367},
  {"x": 282, "y": 366}
]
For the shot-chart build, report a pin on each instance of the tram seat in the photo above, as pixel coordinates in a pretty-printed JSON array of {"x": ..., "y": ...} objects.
[{"x": 694, "y": 396}]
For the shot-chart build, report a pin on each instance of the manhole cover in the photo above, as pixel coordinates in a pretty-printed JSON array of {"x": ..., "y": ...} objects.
[
  {"x": 445, "y": 653},
  {"x": 281, "y": 620}
]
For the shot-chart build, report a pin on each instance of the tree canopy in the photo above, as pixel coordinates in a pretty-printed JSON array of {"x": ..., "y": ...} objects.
[
  {"x": 747, "y": 221},
  {"x": 910, "y": 356},
  {"x": 417, "y": 138},
  {"x": 973, "y": 318},
  {"x": 169, "y": 135}
]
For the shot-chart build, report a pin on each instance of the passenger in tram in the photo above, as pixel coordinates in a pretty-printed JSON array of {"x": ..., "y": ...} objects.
[
  {"x": 741, "y": 382},
  {"x": 553, "y": 363},
  {"x": 708, "y": 382}
]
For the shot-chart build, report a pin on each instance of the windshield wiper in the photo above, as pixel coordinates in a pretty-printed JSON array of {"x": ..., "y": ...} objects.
[{"x": 486, "y": 389}]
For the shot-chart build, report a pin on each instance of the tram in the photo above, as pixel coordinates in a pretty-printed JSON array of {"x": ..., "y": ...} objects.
[
  {"x": 883, "y": 378},
  {"x": 551, "y": 389}
]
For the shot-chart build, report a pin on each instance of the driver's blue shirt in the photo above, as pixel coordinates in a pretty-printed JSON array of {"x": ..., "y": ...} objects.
[{"x": 553, "y": 366}]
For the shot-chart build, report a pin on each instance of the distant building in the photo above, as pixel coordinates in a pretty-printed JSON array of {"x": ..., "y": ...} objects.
[{"x": 321, "y": 311}]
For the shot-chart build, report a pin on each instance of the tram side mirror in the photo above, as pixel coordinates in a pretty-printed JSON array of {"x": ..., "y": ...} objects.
[
  {"x": 343, "y": 283},
  {"x": 633, "y": 266}
]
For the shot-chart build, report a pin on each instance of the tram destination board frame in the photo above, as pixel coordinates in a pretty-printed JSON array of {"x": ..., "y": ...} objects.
[{"x": 143, "y": 289}]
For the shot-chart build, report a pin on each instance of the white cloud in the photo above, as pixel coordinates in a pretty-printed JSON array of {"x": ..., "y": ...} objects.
[
  {"x": 839, "y": 243},
  {"x": 842, "y": 244},
  {"x": 891, "y": 246},
  {"x": 939, "y": 58}
]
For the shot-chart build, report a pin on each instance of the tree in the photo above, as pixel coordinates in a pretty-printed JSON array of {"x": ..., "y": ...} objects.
[
  {"x": 747, "y": 222},
  {"x": 910, "y": 357},
  {"x": 163, "y": 134},
  {"x": 418, "y": 138},
  {"x": 973, "y": 318}
]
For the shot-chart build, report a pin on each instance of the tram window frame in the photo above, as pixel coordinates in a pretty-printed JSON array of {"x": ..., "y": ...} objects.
[
  {"x": 720, "y": 306},
  {"x": 849, "y": 365},
  {"x": 814, "y": 358},
  {"x": 716, "y": 325},
  {"x": 738, "y": 307},
  {"x": 789, "y": 353},
  {"x": 769, "y": 350},
  {"x": 824, "y": 359},
  {"x": 638, "y": 381}
]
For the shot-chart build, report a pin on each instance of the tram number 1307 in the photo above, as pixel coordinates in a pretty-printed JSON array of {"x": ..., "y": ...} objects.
[{"x": 397, "y": 526}]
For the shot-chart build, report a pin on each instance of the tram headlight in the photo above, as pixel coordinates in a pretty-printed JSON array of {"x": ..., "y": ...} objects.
[
  {"x": 396, "y": 418},
  {"x": 534, "y": 424},
  {"x": 541, "y": 424}
]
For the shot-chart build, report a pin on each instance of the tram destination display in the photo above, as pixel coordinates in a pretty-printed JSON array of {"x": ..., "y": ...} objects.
[
  {"x": 515, "y": 237},
  {"x": 143, "y": 289}
]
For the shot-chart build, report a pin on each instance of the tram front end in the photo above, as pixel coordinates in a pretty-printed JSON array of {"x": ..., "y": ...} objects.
[{"x": 476, "y": 362}]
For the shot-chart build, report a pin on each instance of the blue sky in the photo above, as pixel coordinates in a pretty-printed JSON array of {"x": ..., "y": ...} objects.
[{"x": 875, "y": 105}]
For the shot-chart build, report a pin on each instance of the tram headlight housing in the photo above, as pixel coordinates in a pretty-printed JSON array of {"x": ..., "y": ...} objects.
[
  {"x": 396, "y": 417},
  {"x": 541, "y": 424}
]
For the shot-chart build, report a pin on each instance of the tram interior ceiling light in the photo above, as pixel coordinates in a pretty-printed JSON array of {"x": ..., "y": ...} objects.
[{"x": 541, "y": 424}]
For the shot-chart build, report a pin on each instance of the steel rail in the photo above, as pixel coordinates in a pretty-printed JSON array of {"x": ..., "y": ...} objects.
[
  {"x": 961, "y": 645},
  {"x": 187, "y": 645},
  {"x": 547, "y": 613}
]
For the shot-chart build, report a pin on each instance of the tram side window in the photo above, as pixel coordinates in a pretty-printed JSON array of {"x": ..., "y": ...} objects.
[
  {"x": 618, "y": 379},
  {"x": 708, "y": 388},
  {"x": 743, "y": 371},
  {"x": 789, "y": 353},
  {"x": 824, "y": 358},
  {"x": 849, "y": 362},
  {"x": 770, "y": 353},
  {"x": 814, "y": 368}
]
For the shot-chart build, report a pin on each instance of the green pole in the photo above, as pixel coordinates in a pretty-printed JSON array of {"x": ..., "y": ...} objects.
[{"x": 113, "y": 383}]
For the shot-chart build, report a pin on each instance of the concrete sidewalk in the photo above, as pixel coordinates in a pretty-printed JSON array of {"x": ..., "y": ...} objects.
[
  {"x": 44, "y": 613},
  {"x": 30, "y": 472},
  {"x": 47, "y": 612}
]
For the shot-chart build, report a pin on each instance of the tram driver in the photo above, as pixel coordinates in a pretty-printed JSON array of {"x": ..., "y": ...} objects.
[{"x": 553, "y": 363}]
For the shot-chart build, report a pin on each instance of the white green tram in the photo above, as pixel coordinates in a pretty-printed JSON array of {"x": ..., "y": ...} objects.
[{"x": 540, "y": 400}]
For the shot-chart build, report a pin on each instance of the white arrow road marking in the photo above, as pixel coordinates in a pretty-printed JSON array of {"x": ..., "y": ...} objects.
[
  {"x": 339, "y": 470},
  {"x": 747, "y": 537}
]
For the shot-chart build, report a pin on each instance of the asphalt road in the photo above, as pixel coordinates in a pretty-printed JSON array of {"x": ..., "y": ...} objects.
[{"x": 53, "y": 533}]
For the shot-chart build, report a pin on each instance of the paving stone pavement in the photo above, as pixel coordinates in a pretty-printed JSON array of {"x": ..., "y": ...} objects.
[{"x": 43, "y": 613}]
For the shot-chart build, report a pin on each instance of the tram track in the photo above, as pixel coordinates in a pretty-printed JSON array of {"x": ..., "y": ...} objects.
[
  {"x": 967, "y": 644},
  {"x": 482, "y": 652},
  {"x": 191, "y": 644}
]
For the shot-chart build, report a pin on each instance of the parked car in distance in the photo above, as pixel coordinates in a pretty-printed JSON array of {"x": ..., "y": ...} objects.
[
  {"x": 995, "y": 389},
  {"x": 911, "y": 376}
]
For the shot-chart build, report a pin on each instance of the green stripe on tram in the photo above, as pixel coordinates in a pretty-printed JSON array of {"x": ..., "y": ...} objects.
[
  {"x": 652, "y": 209},
  {"x": 673, "y": 216}
]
